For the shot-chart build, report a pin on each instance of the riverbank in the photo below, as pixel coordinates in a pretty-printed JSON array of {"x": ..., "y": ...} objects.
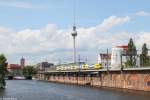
[
  {"x": 141, "y": 92},
  {"x": 123, "y": 90}
]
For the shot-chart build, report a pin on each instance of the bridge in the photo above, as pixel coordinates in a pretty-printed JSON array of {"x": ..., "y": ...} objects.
[{"x": 127, "y": 78}]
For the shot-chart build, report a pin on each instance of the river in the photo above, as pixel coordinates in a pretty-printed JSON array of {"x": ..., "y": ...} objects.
[{"x": 40, "y": 90}]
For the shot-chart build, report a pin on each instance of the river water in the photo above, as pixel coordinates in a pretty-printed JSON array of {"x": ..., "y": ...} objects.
[{"x": 39, "y": 90}]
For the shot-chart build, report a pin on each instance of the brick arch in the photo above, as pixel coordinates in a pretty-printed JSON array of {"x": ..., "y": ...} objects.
[
  {"x": 105, "y": 77},
  {"x": 134, "y": 77},
  {"x": 117, "y": 80},
  {"x": 146, "y": 81},
  {"x": 116, "y": 77},
  {"x": 133, "y": 81},
  {"x": 147, "y": 78}
]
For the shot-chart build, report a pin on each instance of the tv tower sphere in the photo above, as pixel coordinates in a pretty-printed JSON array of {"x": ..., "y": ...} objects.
[{"x": 74, "y": 34}]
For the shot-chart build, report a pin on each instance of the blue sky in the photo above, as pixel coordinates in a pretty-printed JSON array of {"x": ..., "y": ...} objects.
[
  {"x": 41, "y": 20},
  {"x": 59, "y": 12}
]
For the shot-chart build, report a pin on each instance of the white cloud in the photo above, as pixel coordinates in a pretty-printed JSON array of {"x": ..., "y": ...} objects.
[
  {"x": 119, "y": 38},
  {"x": 143, "y": 37},
  {"x": 111, "y": 22},
  {"x": 4, "y": 30},
  {"x": 143, "y": 13},
  {"x": 51, "y": 39}
]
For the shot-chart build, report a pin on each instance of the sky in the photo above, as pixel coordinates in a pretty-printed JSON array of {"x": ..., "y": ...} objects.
[{"x": 40, "y": 30}]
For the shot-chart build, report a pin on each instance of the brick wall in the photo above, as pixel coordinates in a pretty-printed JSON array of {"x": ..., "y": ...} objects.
[{"x": 139, "y": 80}]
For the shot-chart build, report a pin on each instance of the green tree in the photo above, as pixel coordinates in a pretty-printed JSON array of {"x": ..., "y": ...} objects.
[
  {"x": 28, "y": 71},
  {"x": 131, "y": 54},
  {"x": 144, "y": 59},
  {"x": 24, "y": 71},
  {"x": 3, "y": 65}
]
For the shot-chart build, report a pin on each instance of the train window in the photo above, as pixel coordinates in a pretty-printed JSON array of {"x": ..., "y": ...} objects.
[{"x": 148, "y": 83}]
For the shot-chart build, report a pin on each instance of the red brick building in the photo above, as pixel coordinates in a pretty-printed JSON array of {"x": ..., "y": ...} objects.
[{"x": 16, "y": 69}]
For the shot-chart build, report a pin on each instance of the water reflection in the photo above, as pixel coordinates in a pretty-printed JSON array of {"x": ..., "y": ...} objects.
[{"x": 39, "y": 90}]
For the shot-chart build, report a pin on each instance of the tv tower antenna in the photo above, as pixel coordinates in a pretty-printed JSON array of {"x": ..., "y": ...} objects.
[{"x": 74, "y": 13}]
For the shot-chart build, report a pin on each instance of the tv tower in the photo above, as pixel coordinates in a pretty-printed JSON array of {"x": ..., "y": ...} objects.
[{"x": 74, "y": 34}]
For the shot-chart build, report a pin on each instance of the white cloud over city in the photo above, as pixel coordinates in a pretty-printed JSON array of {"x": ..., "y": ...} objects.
[
  {"x": 49, "y": 39},
  {"x": 143, "y": 13}
]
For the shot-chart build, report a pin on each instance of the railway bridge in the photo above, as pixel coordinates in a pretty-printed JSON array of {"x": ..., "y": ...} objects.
[{"x": 128, "y": 78}]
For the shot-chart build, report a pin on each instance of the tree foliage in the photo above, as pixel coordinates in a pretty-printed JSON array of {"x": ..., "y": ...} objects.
[
  {"x": 144, "y": 58},
  {"x": 3, "y": 65},
  {"x": 131, "y": 53},
  {"x": 28, "y": 71}
]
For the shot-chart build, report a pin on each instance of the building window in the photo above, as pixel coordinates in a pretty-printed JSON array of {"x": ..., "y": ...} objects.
[{"x": 148, "y": 83}]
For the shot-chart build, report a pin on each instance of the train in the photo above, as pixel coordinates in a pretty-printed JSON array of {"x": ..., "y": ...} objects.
[{"x": 78, "y": 67}]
